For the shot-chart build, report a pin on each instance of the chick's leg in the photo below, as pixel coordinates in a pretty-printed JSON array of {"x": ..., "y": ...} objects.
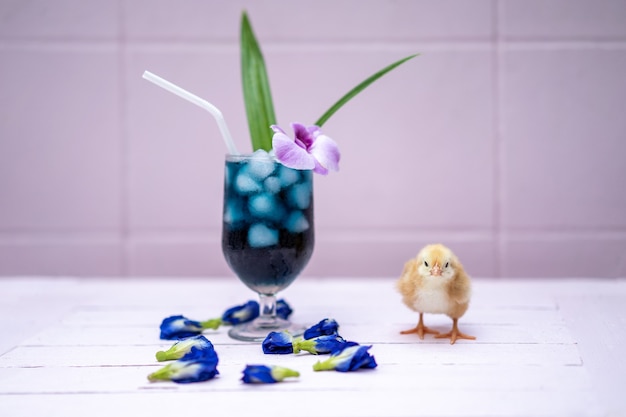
[
  {"x": 420, "y": 329},
  {"x": 455, "y": 333}
]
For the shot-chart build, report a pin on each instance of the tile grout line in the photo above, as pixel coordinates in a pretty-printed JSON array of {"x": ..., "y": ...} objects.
[
  {"x": 497, "y": 146},
  {"x": 25, "y": 237},
  {"x": 124, "y": 145},
  {"x": 546, "y": 42}
]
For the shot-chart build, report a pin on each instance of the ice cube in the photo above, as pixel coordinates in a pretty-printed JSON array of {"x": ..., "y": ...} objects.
[
  {"x": 272, "y": 184},
  {"x": 260, "y": 236},
  {"x": 296, "y": 222},
  {"x": 245, "y": 184},
  {"x": 227, "y": 176},
  {"x": 299, "y": 195},
  {"x": 233, "y": 212},
  {"x": 260, "y": 153},
  {"x": 266, "y": 206},
  {"x": 262, "y": 205},
  {"x": 261, "y": 165},
  {"x": 288, "y": 176}
]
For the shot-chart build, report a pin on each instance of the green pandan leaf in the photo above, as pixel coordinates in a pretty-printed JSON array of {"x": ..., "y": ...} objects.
[
  {"x": 256, "y": 89},
  {"x": 356, "y": 90}
]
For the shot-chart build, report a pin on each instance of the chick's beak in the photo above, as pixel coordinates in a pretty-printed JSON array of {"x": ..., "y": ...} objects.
[{"x": 435, "y": 271}]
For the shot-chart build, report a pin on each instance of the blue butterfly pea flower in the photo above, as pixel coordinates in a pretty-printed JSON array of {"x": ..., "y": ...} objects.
[
  {"x": 321, "y": 344},
  {"x": 187, "y": 371},
  {"x": 180, "y": 327},
  {"x": 190, "y": 348},
  {"x": 241, "y": 314},
  {"x": 262, "y": 374},
  {"x": 349, "y": 359},
  {"x": 324, "y": 327},
  {"x": 280, "y": 343},
  {"x": 283, "y": 310}
]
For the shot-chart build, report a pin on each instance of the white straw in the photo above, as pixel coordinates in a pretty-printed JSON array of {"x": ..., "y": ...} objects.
[{"x": 173, "y": 88}]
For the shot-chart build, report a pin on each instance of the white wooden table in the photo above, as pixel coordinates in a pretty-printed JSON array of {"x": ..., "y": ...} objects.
[{"x": 83, "y": 347}]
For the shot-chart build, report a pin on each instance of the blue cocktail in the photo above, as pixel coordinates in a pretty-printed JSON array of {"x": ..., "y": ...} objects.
[{"x": 267, "y": 234}]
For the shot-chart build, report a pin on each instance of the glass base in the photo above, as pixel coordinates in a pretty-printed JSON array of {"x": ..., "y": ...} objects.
[{"x": 256, "y": 332}]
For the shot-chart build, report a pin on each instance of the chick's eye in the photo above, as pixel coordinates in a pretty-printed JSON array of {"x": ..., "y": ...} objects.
[
  {"x": 446, "y": 265},
  {"x": 425, "y": 264}
]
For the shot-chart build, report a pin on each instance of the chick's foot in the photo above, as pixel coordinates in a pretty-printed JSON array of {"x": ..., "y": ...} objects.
[
  {"x": 454, "y": 334},
  {"x": 420, "y": 329}
]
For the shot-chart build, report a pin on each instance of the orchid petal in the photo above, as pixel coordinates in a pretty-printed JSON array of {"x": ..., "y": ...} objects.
[
  {"x": 319, "y": 168},
  {"x": 302, "y": 134},
  {"x": 277, "y": 129},
  {"x": 326, "y": 152},
  {"x": 290, "y": 154},
  {"x": 314, "y": 131},
  {"x": 299, "y": 129}
]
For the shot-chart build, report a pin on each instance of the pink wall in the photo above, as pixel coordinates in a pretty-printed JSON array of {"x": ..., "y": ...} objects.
[{"x": 505, "y": 139}]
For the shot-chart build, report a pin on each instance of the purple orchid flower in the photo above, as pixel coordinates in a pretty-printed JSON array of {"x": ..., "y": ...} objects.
[{"x": 310, "y": 149}]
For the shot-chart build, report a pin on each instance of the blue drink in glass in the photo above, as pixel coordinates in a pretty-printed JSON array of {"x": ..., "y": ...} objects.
[{"x": 268, "y": 230}]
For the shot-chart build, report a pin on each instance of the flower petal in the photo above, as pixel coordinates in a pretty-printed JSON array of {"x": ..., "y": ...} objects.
[
  {"x": 277, "y": 129},
  {"x": 324, "y": 327},
  {"x": 290, "y": 154},
  {"x": 241, "y": 313},
  {"x": 350, "y": 358},
  {"x": 258, "y": 374},
  {"x": 279, "y": 343},
  {"x": 262, "y": 374},
  {"x": 303, "y": 134},
  {"x": 195, "y": 347},
  {"x": 322, "y": 344},
  {"x": 319, "y": 169},
  {"x": 179, "y": 327},
  {"x": 283, "y": 309},
  {"x": 315, "y": 131},
  {"x": 186, "y": 371},
  {"x": 326, "y": 152}
]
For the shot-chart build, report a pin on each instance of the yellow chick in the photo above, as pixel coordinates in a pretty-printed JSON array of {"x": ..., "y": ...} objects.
[{"x": 435, "y": 282}]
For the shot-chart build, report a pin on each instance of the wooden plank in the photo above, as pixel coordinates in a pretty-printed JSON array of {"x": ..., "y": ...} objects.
[
  {"x": 544, "y": 348},
  {"x": 598, "y": 322},
  {"x": 124, "y": 316},
  {"x": 418, "y": 353},
  {"x": 543, "y": 331},
  {"x": 214, "y": 294},
  {"x": 29, "y": 305},
  {"x": 265, "y": 401},
  {"x": 404, "y": 377},
  {"x": 398, "y": 377}
]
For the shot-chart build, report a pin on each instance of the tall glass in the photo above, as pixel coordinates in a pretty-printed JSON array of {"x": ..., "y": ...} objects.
[{"x": 267, "y": 233}]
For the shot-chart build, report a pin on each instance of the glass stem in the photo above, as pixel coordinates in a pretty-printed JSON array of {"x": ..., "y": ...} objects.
[{"x": 267, "y": 310}]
